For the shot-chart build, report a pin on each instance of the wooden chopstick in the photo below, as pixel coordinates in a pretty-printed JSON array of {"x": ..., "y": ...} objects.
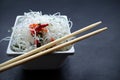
[
  {"x": 3, "y": 68},
  {"x": 50, "y": 44}
]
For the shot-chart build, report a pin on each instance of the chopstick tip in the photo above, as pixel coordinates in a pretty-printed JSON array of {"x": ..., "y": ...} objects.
[
  {"x": 99, "y": 21},
  {"x": 106, "y": 27}
]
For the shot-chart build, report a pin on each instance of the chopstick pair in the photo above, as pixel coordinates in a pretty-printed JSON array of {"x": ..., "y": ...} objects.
[{"x": 41, "y": 50}]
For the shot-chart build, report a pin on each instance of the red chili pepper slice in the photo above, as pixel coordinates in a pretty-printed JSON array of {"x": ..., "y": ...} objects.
[
  {"x": 33, "y": 26},
  {"x": 52, "y": 39},
  {"x": 32, "y": 32},
  {"x": 40, "y": 27},
  {"x": 37, "y": 28},
  {"x": 37, "y": 43}
]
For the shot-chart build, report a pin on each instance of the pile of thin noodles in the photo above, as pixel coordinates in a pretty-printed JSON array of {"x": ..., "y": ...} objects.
[{"x": 23, "y": 40}]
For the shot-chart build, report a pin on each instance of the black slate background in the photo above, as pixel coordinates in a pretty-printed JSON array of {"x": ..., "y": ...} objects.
[{"x": 96, "y": 58}]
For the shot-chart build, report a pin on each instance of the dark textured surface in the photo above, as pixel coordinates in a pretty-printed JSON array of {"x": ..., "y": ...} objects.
[{"x": 96, "y": 58}]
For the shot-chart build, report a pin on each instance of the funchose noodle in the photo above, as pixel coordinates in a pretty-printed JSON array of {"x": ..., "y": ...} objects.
[{"x": 34, "y": 29}]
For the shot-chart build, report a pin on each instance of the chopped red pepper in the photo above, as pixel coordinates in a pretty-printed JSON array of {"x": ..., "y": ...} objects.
[
  {"x": 32, "y": 32},
  {"x": 37, "y": 43},
  {"x": 37, "y": 28},
  {"x": 44, "y": 30},
  {"x": 33, "y": 26},
  {"x": 40, "y": 27},
  {"x": 52, "y": 39}
]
